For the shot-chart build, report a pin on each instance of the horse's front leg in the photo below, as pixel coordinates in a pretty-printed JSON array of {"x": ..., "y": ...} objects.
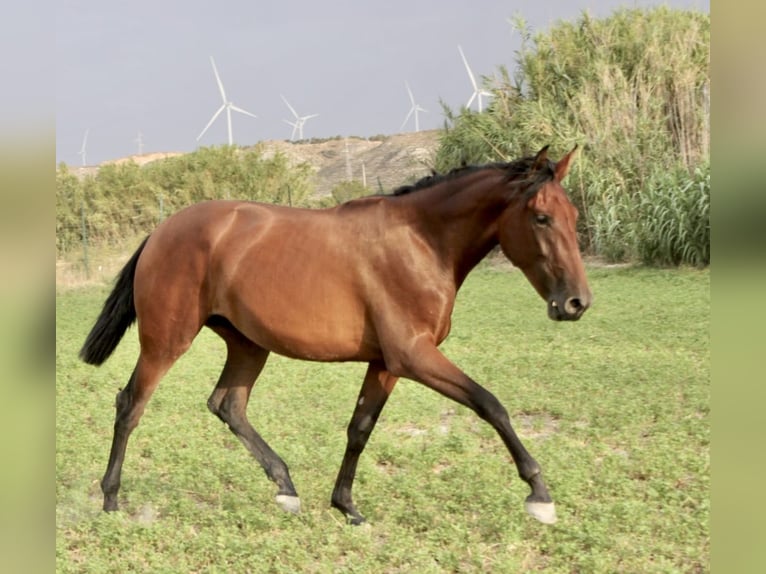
[
  {"x": 424, "y": 363},
  {"x": 377, "y": 386}
]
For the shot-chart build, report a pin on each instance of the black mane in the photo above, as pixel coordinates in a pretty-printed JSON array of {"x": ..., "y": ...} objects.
[{"x": 513, "y": 170}]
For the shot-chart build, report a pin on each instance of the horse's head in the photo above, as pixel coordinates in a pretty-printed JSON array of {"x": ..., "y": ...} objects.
[{"x": 538, "y": 234}]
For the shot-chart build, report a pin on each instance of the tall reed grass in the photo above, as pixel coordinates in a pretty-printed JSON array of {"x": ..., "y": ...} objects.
[{"x": 633, "y": 90}]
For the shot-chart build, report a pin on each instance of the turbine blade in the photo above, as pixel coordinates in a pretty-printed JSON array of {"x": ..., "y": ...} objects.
[
  {"x": 468, "y": 68},
  {"x": 210, "y": 123},
  {"x": 284, "y": 99},
  {"x": 404, "y": 123},
  {"x": 218, "y": 79},
  {"x": 241, "y": 111},
  {"x": 470, "y": 101},
  {"x": 293, "y": 125},
  {"x": 409, "y": 91},
  {"x": 304, "y": 118}
]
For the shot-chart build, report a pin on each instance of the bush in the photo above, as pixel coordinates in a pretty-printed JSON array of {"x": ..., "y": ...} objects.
[
  {"x": 348, "y": 190},
  {"x": 123, "y": 200}
]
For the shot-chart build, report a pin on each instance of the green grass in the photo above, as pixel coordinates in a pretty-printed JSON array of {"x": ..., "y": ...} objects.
[{"x": 615, "y": 408}]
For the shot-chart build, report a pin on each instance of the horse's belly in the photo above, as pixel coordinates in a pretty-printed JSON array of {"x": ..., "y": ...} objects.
[
  {"x": 313, "y": 330},
  {"x": 313, "y": 342}
]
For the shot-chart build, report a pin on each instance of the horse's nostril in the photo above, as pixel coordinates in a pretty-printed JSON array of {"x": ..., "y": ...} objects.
[{"x": 573, "y": 306}]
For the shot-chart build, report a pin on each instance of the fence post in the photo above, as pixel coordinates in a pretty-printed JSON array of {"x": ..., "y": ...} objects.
[
  {"x": 162, "y": 208},
  {"x": 85, "y": 260}
]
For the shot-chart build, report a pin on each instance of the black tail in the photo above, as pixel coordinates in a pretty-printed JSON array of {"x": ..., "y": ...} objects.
[{"x": 118, "y": 314}]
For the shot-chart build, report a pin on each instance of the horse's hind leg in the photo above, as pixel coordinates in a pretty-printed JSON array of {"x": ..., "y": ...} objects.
[
  {"x": 377, "y": 386},
  {"x": 244, "y": 363},
  {"x": 130, "y": 404}
]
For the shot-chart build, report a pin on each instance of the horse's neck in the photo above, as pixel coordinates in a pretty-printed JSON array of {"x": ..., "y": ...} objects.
[{"x": 459, "y": 219}]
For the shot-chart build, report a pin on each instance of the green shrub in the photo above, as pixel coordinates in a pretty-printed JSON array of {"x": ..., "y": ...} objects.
[
  {"x": 667, "y": 223},
  {"x": 348, "y": 190},
  {"x": 123, "y": 200},
  {"x": 673, "y": 221}
]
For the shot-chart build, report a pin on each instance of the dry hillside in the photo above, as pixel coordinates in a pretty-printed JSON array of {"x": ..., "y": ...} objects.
[{"x": 383, "y": 162}]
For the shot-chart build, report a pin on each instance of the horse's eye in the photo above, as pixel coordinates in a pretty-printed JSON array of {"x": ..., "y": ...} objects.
[{"x": 542, "y": 219}]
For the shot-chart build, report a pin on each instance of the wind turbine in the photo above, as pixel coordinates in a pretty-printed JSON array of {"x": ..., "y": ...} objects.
[
  {"x": 477, "y": 92},
  {"x": 227, "y": 105},
  {"x": 82, "y": 153},
  {"x": 140, "y": 141},
  {"x": 413, "y": 110},
  {"x": 299, "y": 120}
]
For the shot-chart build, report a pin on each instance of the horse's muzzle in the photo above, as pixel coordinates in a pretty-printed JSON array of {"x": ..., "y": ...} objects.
[{"x": 570, "y": 309}]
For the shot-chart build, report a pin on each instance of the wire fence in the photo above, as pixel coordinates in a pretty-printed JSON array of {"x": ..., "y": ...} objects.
[{"x": 91, "y": 244}]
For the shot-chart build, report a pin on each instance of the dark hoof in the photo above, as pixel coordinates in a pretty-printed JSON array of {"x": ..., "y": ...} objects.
[{"x": 352, "y": 515}]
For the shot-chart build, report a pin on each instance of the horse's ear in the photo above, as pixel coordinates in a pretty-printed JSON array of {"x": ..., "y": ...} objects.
[
  {"x": 562, "y": 167},
  {"x": 540, "y": 159}
]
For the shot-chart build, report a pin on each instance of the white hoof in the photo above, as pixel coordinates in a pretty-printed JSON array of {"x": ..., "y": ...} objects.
[
  {"x": 545, "y": 512},
  {"x": 289, "y": 503}
]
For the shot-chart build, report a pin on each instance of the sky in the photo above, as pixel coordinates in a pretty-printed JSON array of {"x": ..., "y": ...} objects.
[{"x": 143, "y": 67}]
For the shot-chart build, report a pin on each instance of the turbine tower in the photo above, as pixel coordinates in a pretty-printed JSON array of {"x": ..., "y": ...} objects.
[
  {"x": 82, "y": 153},
  {"x": 413, "y": 110},
  {"x": 227, "y": 105},
  {"x": 299, "y": 120},
  {"x": 477, "y": 92},
  {"x": 140, "y": 141}
]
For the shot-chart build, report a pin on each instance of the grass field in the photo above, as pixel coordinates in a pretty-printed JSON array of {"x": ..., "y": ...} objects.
[{"x": 615, "y": 408}]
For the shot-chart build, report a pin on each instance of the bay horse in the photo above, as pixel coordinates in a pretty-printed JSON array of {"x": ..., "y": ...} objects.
[{"x": 371, "y": 280}]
